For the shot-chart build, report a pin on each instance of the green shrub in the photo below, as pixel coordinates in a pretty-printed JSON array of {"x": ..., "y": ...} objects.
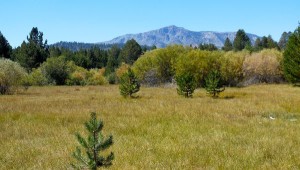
[
  {"x": 111, "y": 78},
  {"x": 11, "y": 76},
  {"x": 96, "y": 77},
  {"x": 186, "y": 84},
  {"x": 57, "y": 69},
  {"x": 231, "y": 67},
  {"x": 37, "y": 78}
]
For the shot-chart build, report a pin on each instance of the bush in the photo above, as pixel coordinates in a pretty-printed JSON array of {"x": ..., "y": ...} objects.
[
  {"x": 57, "y": 69},
  {"x": 186, "y": 84},
  {"x": 111, "y": 78},
  {"x": 231, "y": 67},
  {"x": 11, "y": 76},
  {"x": 96, "y": 77},
  {"x": 129, "y": 84},
  {"x": 263, "y": 67},
  {"x": 37, "y": 78},
  {"x": 78, "y": 77},
  {"x": 198, "y": 63}
]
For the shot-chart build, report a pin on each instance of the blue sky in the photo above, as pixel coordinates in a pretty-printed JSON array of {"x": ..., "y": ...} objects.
[{"x": 102, "y": 20}]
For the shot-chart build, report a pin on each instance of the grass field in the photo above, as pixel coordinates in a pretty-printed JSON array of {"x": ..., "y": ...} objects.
[{"x": 158, "y": 130}]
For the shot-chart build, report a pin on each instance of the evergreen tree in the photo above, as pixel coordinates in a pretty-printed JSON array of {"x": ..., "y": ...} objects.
[
  {"x": 208, "y": 47},
  {"x": 5, "y": 48},
  {"x": 129, "y": 84},
  {"x": 130, "y": 52},
  {"x": 258, "y": 45},
  {"x": 283, "y": 40},
  {"x": 212, "y": 83},
  {"x": 93, "y": 145},
  {"x": 241, "y": 40},
  {"x": 227, "y": 45},
  {"x": 271, "y": 43},
  {"x": 112, "y": 61},
  {"x": 186, "y": 84},
  {"x": 34, "y": 52},
  {"x": 291, "y": 58}
]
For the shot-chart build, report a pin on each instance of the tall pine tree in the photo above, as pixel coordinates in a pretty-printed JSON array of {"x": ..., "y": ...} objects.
[
  {"x": 130, "y": 52},
  {"x": 5, "y": 48},
  {"x": 34, "y": 52},
  {"x": 241, "y": 40},
  {"x": 283, "y": 40},
  {"x": 227, "y": 45},
  {"x": 291, "y": 58}
]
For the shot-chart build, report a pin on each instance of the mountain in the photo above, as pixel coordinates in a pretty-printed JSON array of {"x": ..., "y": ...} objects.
[{"x": 178, "y": 35}]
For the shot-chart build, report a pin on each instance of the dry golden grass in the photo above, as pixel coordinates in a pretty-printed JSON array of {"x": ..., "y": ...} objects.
[{"x": 158, "y": 130}]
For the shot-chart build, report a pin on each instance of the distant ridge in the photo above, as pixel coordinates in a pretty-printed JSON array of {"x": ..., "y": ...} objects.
[{"x": 178, "y": 35}]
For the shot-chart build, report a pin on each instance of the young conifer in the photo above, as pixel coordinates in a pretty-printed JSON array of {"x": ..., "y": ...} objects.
[
  {"x": 212, "y": 83},
  {"x": 186, "y": 84},
  {"x": 129, "y": 84},
  {"x": 93, "y": 145}
]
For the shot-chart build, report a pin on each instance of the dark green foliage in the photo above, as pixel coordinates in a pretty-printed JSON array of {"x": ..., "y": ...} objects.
[
  {"x": 241, "y": 40},
  {"x": 34, "y": 52},
  {"x": 93, "y": 145},
  {"x": 186, "y": 83},
  {"x": 212, "y": 83},
  {"x": 129, "y": 84},
  {"x": 208, "y": 47},
  {"x": 5, "y": 48},
  {"x": 57, "y": 70},
  {"x": 283, "y": 40},
  {"x": 153, "y": 47},
  {"x": 291, "y": 60},
  {"x": 112, "y": 61},
  {"x": 265, "y": 42},
  {"x": 130, "y": 52},
  {"x": 111, "y": 78},
  {"x": 227, "y": 45}
]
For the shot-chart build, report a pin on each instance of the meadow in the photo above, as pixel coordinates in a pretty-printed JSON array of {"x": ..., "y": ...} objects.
[{"x": 255, "y": 127}]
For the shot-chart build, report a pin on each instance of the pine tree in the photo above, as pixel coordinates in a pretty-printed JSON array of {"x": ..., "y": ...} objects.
[
  {"x": 186, "y": 84},
  {"x": 291, "y": 58},
  {"x": 129, "y": 84},
  {"x": 283, "y": 40},
  {"x": 130, "y": 52},
  {"x": 212, "y": 83},
  {"x": 94, "y": 143},
  {"x": 227, "y": 45},
  {"x": 5, "y": 48},
  {"x": 241, "y": 40}
]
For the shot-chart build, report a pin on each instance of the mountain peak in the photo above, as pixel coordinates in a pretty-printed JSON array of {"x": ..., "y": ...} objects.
[{"x": 178, "y": 35}]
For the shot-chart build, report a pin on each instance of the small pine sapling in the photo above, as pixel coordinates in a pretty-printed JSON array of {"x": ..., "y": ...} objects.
[
  {"x": 129, "y": 84},
  {"x": 94, "y": 143},
  {"x": 186, "y": 84},
  {"x": 212, "y": 84}
]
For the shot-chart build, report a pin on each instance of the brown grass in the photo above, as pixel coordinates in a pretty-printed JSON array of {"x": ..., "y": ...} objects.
[{"x": 158, "y": 130}]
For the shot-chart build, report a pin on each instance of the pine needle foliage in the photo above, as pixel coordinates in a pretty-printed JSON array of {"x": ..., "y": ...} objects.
[
  {"x": 291, "y": 59},
  {"x": 212, "y": 83},
  {"x": 129, "y": 84},
  {"x": 93, "y": 145},
  {"x": 186, "y": 84}
]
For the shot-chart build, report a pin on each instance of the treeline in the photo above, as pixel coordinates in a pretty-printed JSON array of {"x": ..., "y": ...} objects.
[{"x": 239, "y": 63}]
